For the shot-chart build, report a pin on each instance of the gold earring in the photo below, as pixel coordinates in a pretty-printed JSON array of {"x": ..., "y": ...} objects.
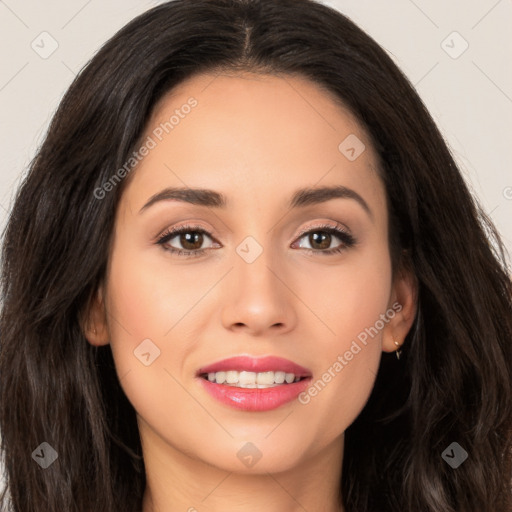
[
  {"x": 94, "y": 331},
  {"x": 398, "y": 351}
]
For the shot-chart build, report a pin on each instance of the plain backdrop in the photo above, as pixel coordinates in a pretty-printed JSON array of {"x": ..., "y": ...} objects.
[{"x": 456, "y": 53}]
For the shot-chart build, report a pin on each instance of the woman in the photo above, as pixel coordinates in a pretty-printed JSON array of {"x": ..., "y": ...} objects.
[{"x": 241, "y": 213}]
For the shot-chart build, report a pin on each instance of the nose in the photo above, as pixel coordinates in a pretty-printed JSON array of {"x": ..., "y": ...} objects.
[{"x": 259, "y": 300}]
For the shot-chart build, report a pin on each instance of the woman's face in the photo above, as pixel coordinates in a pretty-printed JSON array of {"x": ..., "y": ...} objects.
[{"x": 270, "y": 280}]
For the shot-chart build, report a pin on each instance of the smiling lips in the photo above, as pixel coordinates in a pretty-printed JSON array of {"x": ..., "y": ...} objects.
[
  {"x": 254, "y": 384},
  {"x": 256, "y": 364}
]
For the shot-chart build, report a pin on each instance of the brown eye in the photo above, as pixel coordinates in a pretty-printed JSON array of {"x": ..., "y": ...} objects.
[
  {"x": 185, "y": 241},
  {"x": 190, "y": 241},
  {"x": 321, "y": 238},
  {"x": 320, "y": 242}
]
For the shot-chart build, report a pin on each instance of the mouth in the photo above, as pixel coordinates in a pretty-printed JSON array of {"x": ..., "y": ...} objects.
[
  {"x": 249, "y": 371},
  {"x": 252, "y": 380},
  {"x": 254, "y": 383}
]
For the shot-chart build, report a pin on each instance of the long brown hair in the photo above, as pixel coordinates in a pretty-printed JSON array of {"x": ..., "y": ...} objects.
[{"x": 453, "y": 383}]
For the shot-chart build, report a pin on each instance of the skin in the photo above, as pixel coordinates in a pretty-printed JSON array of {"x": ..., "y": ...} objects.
[{"x": 256, "y": 139}]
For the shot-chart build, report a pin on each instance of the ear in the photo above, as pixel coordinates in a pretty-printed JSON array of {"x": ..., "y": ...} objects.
[
  {"x": 94, "y": 320},
  {"x": 404, "y": 303}
]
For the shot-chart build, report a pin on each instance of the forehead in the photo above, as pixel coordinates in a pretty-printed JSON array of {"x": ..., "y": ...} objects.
[{"x": 253, "y": 136}]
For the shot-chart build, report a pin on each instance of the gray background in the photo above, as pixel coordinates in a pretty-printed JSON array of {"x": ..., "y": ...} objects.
[{"x": 469, "y": 94}]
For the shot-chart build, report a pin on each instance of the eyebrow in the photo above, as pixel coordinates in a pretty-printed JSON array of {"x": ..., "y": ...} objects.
[{"x": 300, "y": 198}]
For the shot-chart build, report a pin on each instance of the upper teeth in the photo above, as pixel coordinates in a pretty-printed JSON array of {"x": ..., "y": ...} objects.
[{"x": 251, "y": 379}]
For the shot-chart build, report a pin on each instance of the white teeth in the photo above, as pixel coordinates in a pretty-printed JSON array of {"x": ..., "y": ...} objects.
[
  {"x": 219, "y": 377},
  {"x": 266, "y": 378},
  {"x": 232, "y": 377},
  {"x": 279, "y": 377},
  {"x": 245, "y": 379}
]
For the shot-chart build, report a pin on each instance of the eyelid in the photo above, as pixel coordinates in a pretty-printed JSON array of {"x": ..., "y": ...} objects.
[
  {"x": 324, "y": 225},
  {"x": 200, "y": 229},
  {"x": 334, "y": 228},
  {"x": 175, "y": 231}
]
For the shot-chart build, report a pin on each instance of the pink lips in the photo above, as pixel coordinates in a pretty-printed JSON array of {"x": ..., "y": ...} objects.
[
  {"x": 254, "y": 399},
  {"x": 261, "y": 364}
]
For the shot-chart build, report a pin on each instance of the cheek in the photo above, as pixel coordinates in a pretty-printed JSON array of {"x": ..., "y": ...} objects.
[
  {"x": 351, "y": 304},
  {"x": 145, "y": 312},
  {"x": 142, "y": 310},
  {"x": 148, "y": 295},
  {"x": 154, "y": 307},
  {"x": 346, "y": 297}
]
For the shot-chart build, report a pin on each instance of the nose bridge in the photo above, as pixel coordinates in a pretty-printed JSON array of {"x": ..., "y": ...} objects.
[
  {"x": 254, "y": 268},
  {"x": 258, "y": 298}
]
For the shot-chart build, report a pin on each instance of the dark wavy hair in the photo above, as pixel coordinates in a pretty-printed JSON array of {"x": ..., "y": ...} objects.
[{"x": 453, "y": 383}]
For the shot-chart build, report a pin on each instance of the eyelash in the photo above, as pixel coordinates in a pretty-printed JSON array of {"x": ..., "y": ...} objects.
[{"x": 346, "y": 238}]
